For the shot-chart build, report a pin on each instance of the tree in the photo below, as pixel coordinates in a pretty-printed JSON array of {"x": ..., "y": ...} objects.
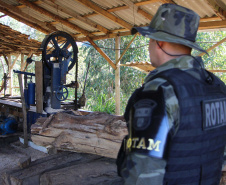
[
  {"x": 216, "y": 58},
  {"x": 100, "y": 85}
]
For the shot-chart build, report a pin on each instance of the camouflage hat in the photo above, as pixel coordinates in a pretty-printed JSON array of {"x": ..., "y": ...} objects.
[{"x": 173, "y": 23}]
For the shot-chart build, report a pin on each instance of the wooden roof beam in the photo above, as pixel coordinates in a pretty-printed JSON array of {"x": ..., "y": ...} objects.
[
  {"x": 6, "y": 51},
  {"x": 145, "y": 14},
  {"x": 207, "y": 19},
  {"x": 214, "y": 46},
  {"x": 167, "y": 1},
  {"x": 131, "y": 5},
  {"x": 19, "y": 38},
  {"x": 54, "y": 17},
  {"x": 212, "y": 25},
  {"x": 17, "y": 11},
  {"x": 217, "y": 9},
  {"x": 217, "y": 70},
  {"x": 19, "y": 45},
  {"x": 24, "y": 6},
  {"x": 14, "y": 62},
  {"x": 126, "y": 49},
  {"x": 146, "y": 2},
  {"x": 75, "y": 15},
  {"x": 115, "y": 9},
  {"x": 101, "y": 52},
  {"x": 4, "y": 40},
  {"x": 124, "y": 7},
  {"x": 105, "y": 13},
  {"x": 100, "y": 37},
  {"x": 139, "y": 10},
  {"x": 203, "y": 25},
  {"x": 20, "y": 19},
  {"x": 13, "y": 48}
]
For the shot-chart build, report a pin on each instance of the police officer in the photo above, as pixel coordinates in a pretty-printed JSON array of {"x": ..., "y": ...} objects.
[{"x": 177, "y": 119}]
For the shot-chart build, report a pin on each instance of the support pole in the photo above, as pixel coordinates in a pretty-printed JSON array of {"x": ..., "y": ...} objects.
[
  {"x": 127, "y": 48},
  {"x": 101, "y": 52},
  {"x": 213, "y": 47},
  {"x": 24, "y": 110},
  {"x": 22, "y": 62},
  {"x": 22, "y": 65},
  {"x": 39, "y": 86},
  {"x": 117, "y": 76},
  {"x": 10, "y": 75}
]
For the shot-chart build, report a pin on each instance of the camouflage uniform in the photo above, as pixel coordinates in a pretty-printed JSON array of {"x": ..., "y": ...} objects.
[
  {"x": 175, "y": 24},
  {"x": 141, "y": 169}
]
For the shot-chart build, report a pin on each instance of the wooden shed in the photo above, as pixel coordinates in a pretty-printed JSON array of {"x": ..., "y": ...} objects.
[{"x": 90, "y": 20}]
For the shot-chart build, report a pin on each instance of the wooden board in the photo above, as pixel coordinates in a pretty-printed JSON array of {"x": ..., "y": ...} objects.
[
  {"x": 65, "y": 168},
  {"x": 39, "y": 86},
  {"x": 16, "y": 104}
]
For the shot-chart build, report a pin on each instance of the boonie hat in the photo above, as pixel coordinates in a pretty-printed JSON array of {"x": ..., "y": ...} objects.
[{"x": 173, "y": 23}]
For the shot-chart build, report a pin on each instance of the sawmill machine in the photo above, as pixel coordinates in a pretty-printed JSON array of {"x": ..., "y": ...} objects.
[{"x": 59, "y": 56}]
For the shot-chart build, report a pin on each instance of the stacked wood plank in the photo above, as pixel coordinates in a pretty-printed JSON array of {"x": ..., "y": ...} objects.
[
  {"x": 96, "y": 133},
  {"x": 65, "y": 168}
]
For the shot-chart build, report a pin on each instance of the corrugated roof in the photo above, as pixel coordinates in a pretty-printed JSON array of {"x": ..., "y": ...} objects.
[
  {"x": 12, "y": 41},
  {"x": 99, "y": 19}
]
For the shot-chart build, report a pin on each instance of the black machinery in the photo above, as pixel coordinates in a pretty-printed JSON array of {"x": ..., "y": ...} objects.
[{"x": 59, "y": 54}]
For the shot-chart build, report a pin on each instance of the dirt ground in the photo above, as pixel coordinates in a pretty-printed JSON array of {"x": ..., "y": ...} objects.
[
  {"x": 11, "y": 153},
  {"x": 93, "y": 170},
  {"x": 99, "y": 171}
]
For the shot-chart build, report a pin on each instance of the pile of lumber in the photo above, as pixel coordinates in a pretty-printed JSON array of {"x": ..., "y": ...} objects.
[
  {"x": 65, "y": 168},
  {"x": 96, "y": 133}
]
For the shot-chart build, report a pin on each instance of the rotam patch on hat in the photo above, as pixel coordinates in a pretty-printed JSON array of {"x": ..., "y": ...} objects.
[{"x": 173, "y": 23}]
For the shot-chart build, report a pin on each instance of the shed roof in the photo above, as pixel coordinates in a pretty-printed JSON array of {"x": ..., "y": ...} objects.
[
  {"x": 101, "y": 19},
  {"x": 12, "y": 41}
]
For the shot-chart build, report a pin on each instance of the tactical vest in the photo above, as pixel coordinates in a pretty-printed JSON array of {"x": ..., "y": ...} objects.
[{"x": 195, "y": 152}]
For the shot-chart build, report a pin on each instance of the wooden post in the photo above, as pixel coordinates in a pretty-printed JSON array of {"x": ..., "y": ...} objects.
[
  {"x": 10, "y": 74},
  {"x": 2, "y": 83},
  {"x": 24, "y": 110},
  {"x": 117, "y": 76},
  {"x": 22, "y": 62},
  {"x": 11, "y": 65},
  {"x": 22, "y": 65},
  {"x": 39, "y": 86}
]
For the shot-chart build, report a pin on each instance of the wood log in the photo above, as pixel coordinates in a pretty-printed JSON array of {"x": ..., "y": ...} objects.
[
  {"x": 96, "y": 133},
  {"x": 65, "y": 168}
]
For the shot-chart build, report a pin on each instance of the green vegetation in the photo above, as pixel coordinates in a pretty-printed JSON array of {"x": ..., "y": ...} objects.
[
  {"x": 100, "y": 85},
  {"x": 216, "y": 58}
]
